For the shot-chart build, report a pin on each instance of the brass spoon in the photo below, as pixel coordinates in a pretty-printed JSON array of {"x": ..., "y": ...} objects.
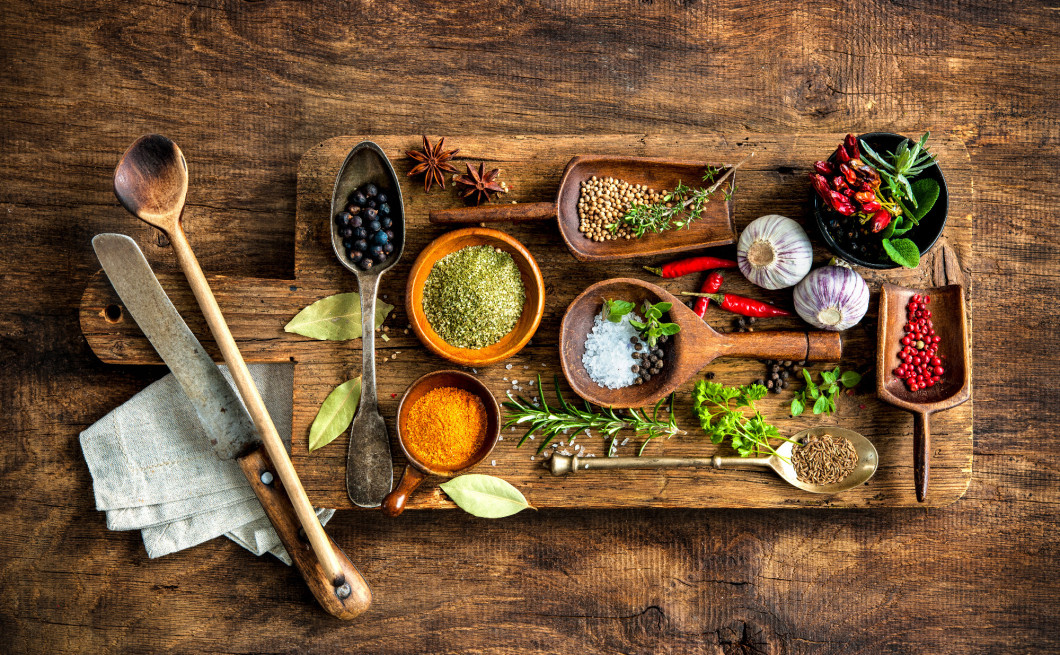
[
  {"x": 369, "y": 467},
  {"x": 151, "y": 181},
  {"x": 868, "y": 461}
]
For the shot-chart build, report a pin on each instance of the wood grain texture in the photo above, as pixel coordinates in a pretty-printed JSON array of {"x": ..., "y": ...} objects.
[
  {"x": 249, "y": 87},
  {"x": 525, "y": 160}
]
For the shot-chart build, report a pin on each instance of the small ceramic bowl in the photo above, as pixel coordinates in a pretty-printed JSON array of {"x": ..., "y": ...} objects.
[
  {"x": 923, "y": 235},
  {"x": 416, "y": 471},
  {"x": 528, "y": 321}
]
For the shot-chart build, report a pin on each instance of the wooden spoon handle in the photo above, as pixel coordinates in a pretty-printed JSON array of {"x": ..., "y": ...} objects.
[
  {"x": 921, "y": 454},
  {"x": 395, "y": 501},
  {"x": 818, "y": 346},
  {"x": 248, "y": 391},
  {"x": 344, "y": 601},
  {"x": 523, "y": 211}
]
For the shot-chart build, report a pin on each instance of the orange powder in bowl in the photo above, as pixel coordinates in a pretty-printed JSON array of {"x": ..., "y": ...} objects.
[{"x": 445, "y": 428}]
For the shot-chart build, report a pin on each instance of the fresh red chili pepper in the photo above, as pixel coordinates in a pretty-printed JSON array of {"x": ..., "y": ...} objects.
[
  {"x": 880, "y": 220},
  {"x": 710, "y": 285},
  {"x": 691, "y": 265},
  {"x": 744, "y": 306}
]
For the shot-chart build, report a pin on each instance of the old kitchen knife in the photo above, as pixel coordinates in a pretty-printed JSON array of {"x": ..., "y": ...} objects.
[{"x": 224, "y": 418}]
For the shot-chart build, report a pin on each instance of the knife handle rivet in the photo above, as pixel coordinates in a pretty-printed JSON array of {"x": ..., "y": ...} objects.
[{"x": 266, "y": 478}]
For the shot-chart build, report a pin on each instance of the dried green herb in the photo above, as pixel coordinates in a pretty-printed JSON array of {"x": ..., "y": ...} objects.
[
  {"x": 335, "y": 318},
  {"x": 335, "y": 414},
  {"x": 485, "y": 496}
]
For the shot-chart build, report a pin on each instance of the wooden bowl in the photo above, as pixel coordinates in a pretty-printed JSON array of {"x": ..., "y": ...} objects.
[
  {"x": 417, "y": 471},
  {"x": 528, "y": 321}
]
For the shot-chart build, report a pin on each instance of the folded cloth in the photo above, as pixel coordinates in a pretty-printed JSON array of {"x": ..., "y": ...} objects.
[{"x": 153, "y": 469}]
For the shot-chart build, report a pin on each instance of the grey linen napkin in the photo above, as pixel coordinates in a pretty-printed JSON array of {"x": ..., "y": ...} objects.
[{"x": 154, "y": 470}]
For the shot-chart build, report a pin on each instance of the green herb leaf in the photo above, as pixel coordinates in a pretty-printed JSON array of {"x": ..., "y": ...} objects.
[
  {"x": 669, "y": 328},
  {"x": 335, "y": 414},
  {"x": 485, "y": 496},
  {"x": 888, "y": 231},
  {"x": 820, "y": 405},
  {"x": 926, "y": 191},
  {"x": 797, "y": 407},
  {"x": 850, "y": 379},
  {"x": 828, "y": 376},
  {"x": 748, "y": 433},
  {"x": 616, "y": 309},
  {"x": 902, "y": 251},
  {"x": 335, "y": 318}
]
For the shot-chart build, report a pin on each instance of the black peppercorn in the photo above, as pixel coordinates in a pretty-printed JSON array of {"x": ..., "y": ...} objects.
[{"x": 635, "y": 368}]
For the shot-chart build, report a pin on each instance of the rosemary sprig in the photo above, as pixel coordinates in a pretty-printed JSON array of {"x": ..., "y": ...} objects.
[
  {"x": 679, "y": 208},
  {"x": 551, "y": 421}
]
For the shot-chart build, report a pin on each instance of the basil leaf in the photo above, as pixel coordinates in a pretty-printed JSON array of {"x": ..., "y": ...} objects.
[
  {"x": 485, "y": 496},
  {"x": 820, "y": 404},
  {"x": 850, "y": 379},
  {"x": 335, "y": 414},
  {"x": 335, "y": 318},
  {"x": 926, "y": 191},
  {"x": 902, "y": 251},
  {"x": 797, "y": 407}
]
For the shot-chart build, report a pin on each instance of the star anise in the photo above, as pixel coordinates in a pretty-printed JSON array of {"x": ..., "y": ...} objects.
[
  {"x": 433, "y": 162},
  {"x": 479, "y": 184}
]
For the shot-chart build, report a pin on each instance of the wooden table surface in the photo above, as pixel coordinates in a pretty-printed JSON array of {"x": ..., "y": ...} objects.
[{"x": 248, "y": 87}]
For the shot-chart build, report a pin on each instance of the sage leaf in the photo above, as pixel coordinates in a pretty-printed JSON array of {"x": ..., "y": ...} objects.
[
  {"x": 485, "y": 496},
  {"x": 335, "y": 414},
  {"x": 335, "y": 318},
  {"x": 902, "y": 251},
  {"x": 926, "y": 191}
]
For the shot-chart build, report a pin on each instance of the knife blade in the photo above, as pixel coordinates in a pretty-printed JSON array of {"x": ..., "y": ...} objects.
[{"x": 224, "y": 417}]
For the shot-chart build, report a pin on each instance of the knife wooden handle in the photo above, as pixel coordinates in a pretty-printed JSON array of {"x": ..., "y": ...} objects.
[{"x": 348, "y": 599}]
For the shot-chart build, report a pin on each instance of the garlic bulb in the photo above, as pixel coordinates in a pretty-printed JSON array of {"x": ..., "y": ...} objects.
[
  {"x": 832, "y": 298},
  {"x": 774, "y": 252}
]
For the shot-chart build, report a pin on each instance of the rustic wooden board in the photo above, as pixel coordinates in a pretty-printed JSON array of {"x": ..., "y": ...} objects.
[{"x": 773, "y": 182}]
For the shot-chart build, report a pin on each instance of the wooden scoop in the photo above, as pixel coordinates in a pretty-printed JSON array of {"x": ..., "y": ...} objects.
[
  {"x": 687, "y": 352},
  {"x": 714, "y": 228},
  {"x": 950, "y": 322}
]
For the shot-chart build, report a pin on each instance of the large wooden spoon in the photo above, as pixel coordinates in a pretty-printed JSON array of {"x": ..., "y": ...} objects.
[
  {"x": 948, "y": 316},
  {"x": 695, "y": 346},
  {"x": 151, "y": 181}
]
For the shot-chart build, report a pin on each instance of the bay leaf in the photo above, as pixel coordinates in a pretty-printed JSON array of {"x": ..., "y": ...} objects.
[
  {"x": 335, "y": 318},
  {"x": 485, "y": 496},
  {"x": 335, "y": 414}
]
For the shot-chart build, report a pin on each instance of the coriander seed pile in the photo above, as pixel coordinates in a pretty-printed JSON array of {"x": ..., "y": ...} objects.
[
  {"x": 474, "y": 296},
  {"x": 824, "y": 459},
  {"x": 604, "y": 201}
]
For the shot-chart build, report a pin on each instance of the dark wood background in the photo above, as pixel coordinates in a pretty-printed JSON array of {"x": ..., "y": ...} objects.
[{"x": 249, "y": 86}]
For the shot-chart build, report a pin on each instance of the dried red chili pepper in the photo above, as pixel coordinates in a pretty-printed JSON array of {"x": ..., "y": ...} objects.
[
  {"x": 842, "y": 155},
  {"x": 743, "y": 306},
  {"x": 848, "y": 172},
  {"x": 870, "y": 207},
  {"x": 710, "y": 285},
  {"x": 865, "y": 196},
  {"x": 851, "y": 145},
  {"x": 839, "y": 183},
  {"x": 824, "y": 168},
  {"x": 880, "y": 220},
  {"x": 691, "y": 265}
]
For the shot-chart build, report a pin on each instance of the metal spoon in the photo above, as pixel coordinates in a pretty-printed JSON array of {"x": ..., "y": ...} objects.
[
  {"x": 868, "y": 461},
  {"x": 369, "y": 468},
  {"x": 151, "y": 181}
]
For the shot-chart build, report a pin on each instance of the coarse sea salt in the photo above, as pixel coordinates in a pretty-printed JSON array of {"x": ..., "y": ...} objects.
[{"x": 608, "y": 357}]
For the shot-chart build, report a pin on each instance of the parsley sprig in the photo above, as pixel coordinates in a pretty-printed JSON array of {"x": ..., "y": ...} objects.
[
  {"x": 730, "y": 413},
  {"x": 565, "y": 417}
]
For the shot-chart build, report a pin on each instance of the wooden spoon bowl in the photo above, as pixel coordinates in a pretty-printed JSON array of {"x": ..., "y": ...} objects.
[
  {"x": 948, "y": 315},
  {"x": 686, "y": 353},
  {"x": 525, "y": 326},
  {"x": 417, "y": 470}
]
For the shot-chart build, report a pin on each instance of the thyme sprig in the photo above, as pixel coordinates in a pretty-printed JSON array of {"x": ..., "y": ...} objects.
[
  {"x": 565, "y": 417},
  {"x": 679, "y": 208}
]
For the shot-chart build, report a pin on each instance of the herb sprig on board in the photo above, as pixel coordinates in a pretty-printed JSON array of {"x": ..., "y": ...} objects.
[
  {"x": 822, "y": 398},
  {"x": 730, "y": 413},
  {"x": 679, "y": 208},
  {"x": 563, "y": 418}
]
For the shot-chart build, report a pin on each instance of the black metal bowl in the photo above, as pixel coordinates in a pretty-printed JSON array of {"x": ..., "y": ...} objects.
[{"x": 923, "y": 235}]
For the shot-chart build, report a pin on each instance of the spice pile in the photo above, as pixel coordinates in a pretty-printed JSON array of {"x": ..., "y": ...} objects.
[
  {"x": 779, "y": 371},
  {"x": 921, "y": 366},
  {"x": 366, "y": 227},
  {"x": 446, "y": 428},
  {"x": 824, "y": 459},
  {"x": 604, "y": 201},
  {"x": 612, "y": 352},
  {"x": 473, "y": 297}
]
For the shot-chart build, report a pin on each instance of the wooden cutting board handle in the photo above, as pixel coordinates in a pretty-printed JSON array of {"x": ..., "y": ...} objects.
[
  {"x": 523, "y": 211},
  {"x": 346, "y": 600}
]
